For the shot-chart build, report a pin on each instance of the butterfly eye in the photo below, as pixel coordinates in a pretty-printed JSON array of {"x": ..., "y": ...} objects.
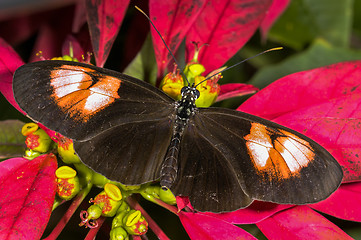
[
  {"x": 184, "y": 90},
  {"x": 196, "y": 93}
]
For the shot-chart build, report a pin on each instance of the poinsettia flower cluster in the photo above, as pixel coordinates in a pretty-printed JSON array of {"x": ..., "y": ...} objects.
[{"x": 324, "y": 104}]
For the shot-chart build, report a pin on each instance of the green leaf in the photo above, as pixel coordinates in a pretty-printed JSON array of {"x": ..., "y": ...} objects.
[
  {"x": 305, "y": 20},
  {"x": 319, "y": 54},
  {"x": 144, "y": 65},
  {"x": 12, "y": 142}
]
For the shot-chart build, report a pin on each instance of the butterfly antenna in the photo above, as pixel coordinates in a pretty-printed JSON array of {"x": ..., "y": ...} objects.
[
  {"x": 160, "y": 35},
  {"x": 266, "y": 51}
]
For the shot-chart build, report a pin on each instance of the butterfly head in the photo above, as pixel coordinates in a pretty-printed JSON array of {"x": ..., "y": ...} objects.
[
  {"x": 187, "y": 102},
  {"x": 190, "y": 93}
]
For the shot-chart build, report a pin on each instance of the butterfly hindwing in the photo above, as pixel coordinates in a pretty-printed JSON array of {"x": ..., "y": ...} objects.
[
  {"x": 80, "y": 100},
  {"x": 263, "y": 160},
  {"x": 206, "y": 175}
]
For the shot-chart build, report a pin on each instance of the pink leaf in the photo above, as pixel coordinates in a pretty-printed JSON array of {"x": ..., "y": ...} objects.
[
  {"x": 182, "y": 202},
  {"x": 201, "y": 226},
  {"x": 305, "y": 89},
  {"x": 18, "y": 30},
  {"x": 344, "y": 203},
  {"x": 300, "y": 223},
  {"x": 323, "y": 104},
  {"x": 335, "y": 125},
  {"x": 276, "y": 9},
  {"x": 9, "y": 62},
  {"x": 27, "y": 195},
  {"x": 79, "y": 16},
  {"x": 72, "y": 44},
  {"x": 231, "y": 90},
  {"x": 10, "y": 164},
  {"x": 47, "y": 44},
  {"x": 104, "y": 20},
  {"x": 51, "y": 35},
  {"x": 173, "y": 19},
  {"x": 256, "y": 212},
  {"x": 225, "y": 26}
]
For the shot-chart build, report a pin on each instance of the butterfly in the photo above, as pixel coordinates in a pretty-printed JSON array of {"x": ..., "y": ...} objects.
[{"x": 133, "y": 133}]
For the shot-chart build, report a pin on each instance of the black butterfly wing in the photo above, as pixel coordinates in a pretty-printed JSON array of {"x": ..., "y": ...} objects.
[
  {"x": 206, "y": 174},
  {"x": 241, "y": 156},
  {"x": 80, "y": 100},
  {"x": 120, "y": 125},
  {"x": 130, "y": 153}
]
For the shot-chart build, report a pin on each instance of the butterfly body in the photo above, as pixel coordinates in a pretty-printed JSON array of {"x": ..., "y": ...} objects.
[
  {"x": 185, "y": 109},
  {"x": 133, "y": 133}
]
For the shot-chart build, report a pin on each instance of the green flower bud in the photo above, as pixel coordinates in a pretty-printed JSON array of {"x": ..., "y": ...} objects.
[
  {"x": 193, "y": 70},
  {"x": 66, "y": 58},
  {"x": 209, "y": 91},
  {"x": 67, "y": 182},
  {"x": 135, "y": 223},
  {"x": 118, "y": 233},
  {"x": 94, "y": 212},
  {"x": 88, "y": 218},
  {"x": 132, "y": 221},
  {"x": 109, "y": 200},
  {"x": 36, "y": 138},
  {"x": 172, "y": 84},
  {"x": 66, "y": 151},
  {"x": 167, "y": 196},
  {"x": 151, "y": 193},
  {"x": 31, "y": 154}
]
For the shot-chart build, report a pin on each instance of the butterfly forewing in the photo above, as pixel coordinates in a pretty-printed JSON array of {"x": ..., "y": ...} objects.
[
  {"x": 264, "y": 160},
  {"x": 130, "y": 153},
  {"x": 80, "y": 100}
]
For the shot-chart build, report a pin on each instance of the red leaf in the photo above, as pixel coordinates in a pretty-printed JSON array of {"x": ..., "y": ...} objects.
[
  {"x": 52, "y": 34},
  {"x": 323, "y": 104},
  {"x": 256, "y": 212},
  {"x": 173, "y": 19},
  {"x": 225, "y": 26},
  {"x": 276, "y": 9},
  {"x": 344, "y": 203},
  {"x": 231, "y": 90},
  {"x": 77, "y": 50},
  {"x": 300, "y": 223},
  {"x": 183, "y": 202},
  {"x": 304, "y": 89},
  {"x": 8, "y": 165},
  {"x": 104, "y": 20},
  {"x": 201, "y": 226},
  {"x": 27, "y": 195},
  {"x": 17, "y": 30},
  {"x": 79, "y": 16},
  {"x": 335, "y": 125},
  {"x": 9, "y": 62}
]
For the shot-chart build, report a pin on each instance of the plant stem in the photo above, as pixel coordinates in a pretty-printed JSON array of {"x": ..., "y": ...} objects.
[
  {"x": 69, "y": 213},
  {"x": 94, "y": 231}
]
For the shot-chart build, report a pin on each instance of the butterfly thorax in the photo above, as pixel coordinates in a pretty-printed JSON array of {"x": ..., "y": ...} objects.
[
  {"x": 184, "y": 109},
  {"x": 186, "y": 105}
]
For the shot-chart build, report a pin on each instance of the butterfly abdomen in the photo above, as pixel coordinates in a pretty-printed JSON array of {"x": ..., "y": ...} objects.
[{"x": 168, "y": 173}]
